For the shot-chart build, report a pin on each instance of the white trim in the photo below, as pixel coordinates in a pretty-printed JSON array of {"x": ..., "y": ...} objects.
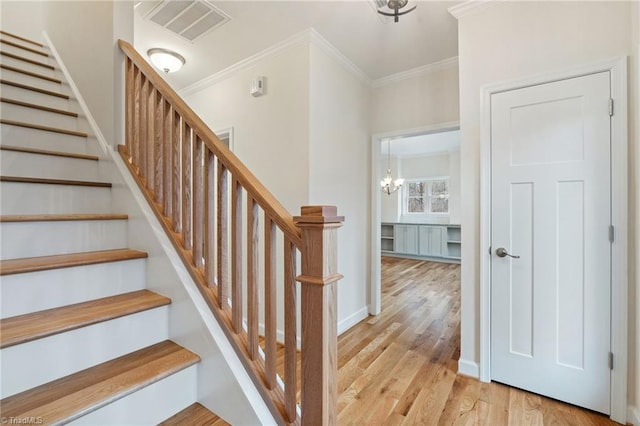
[
  {"x": 322, "y": 43},
  {"x": 352, "y": 320},
  {"x": 470, "y": 7},
  {"x": 619, "y": 184},
  {"x": 229, "y": 132},
  {"x": 416, "y": 72},
  {"x": 633, "y": 416},
  {"x": 308, "y": 36},
  {"x": 102, "y": 142},
  {"x": 468, "y": 368},
  {"x": 375, "y": 288}
]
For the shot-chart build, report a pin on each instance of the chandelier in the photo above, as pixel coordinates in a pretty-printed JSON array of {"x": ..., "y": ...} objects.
[
  {"x": 395, "y": 6},
  {"x": 389, "y": 185}
]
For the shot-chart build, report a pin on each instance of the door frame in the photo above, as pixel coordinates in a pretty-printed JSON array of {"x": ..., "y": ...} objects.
[
  {"x": 619, "y": 212},
  {"x": 374, "y": 299}
]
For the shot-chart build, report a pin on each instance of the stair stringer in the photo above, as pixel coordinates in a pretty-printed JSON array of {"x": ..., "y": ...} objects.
[{"x": 224, "y": 386}]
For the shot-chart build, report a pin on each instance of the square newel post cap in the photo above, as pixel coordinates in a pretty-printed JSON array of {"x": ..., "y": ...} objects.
[{"x": 318, "y": 214}]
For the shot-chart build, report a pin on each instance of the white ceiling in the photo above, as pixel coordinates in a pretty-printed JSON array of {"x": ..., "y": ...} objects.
[
  {"x": 427, "y": 35},
  {"x": 430, "y": 144}
]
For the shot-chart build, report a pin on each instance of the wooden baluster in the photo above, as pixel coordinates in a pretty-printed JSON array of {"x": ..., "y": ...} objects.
[
  {"x": 135, "y": 125},
  {"x": 143, "y": 124},
  {"x": 198, "y": 205},
  {"x": 186, "y": 185},
  {"x": 223, "y": 235},
  {"x": 253, "y": 306},
  {"x": 319, "y": 226},
  {"x": 151, "y": 116},
  {"x": 209, "y": 215},
  {"x": 158, "y": 150},
  {"x": 128, "y": 105},
  {"x": 176, "y": 181},
  {"x": 167, "y": 159},
  {"x": 270, "y": 301},
  {"x": 236, "y": 255},
  {"x": 290, "y": 331}
]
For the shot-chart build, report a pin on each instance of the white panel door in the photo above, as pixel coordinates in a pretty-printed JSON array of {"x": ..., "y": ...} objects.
[{"x": 550, "y": 308}]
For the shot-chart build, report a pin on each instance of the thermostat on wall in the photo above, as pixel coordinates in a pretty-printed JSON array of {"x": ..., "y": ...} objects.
[{"x": 257, "y": 87}]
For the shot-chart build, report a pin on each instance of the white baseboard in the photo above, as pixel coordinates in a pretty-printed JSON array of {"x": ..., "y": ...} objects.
[
  {"x": 469, "y": 368},
  {"x": 352, "y": 319},
  {"x": 633, "y": 416}
]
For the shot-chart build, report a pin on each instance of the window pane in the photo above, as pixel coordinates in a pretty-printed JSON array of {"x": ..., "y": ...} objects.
[
  {"x": 416, "y": 188},
  {"x": 415, "y": 205},
  {"x": 440, "y": 205},
  {"x": 440, "y": 187}
]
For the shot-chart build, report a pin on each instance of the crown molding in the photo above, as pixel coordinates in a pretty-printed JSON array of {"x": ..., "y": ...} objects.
[
  {"x": 416, "y": 72},
  {"x": 308, "y": 36},
  {"x": 301, "y": 38},
  {"x": 322, "y": 43},
  {"x": 470, "y": 7}
]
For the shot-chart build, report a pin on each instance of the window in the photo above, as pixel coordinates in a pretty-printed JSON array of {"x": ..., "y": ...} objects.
[{"x": 426, "y": 196}]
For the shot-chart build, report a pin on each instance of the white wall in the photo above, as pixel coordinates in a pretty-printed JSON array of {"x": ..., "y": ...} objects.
[
  {"x": 510, "y": 40},
  {"x": 634, "y": 267},
  {"x": 429, "y": 98},
  {"x": 271, "y": 133},
  {"x": 339, "y": 171},
  {"x": 428, "y": 166},
  {"x": 83, "y": 35},
  {"x": 22, "y": 18}
]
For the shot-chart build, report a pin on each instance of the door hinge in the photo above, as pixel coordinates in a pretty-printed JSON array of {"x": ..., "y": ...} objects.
[
  {"x": 610, "y": 107},
  {"x": 610, "y": 360},
  {"x": 611, "y": 234}
]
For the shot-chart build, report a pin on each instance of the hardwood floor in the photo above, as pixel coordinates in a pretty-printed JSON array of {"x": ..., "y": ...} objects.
[{"x": 400, "y": 367}]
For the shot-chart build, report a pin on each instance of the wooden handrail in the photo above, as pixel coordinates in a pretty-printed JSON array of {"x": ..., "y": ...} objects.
[
  {"x": 249, "y": 182},
  {"x": 209, "y": 204}
]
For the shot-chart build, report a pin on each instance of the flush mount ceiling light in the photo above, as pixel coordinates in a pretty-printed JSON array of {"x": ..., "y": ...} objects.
[
  {"x": 394, "y": 6},
  {"x": 165, "y": 59}
]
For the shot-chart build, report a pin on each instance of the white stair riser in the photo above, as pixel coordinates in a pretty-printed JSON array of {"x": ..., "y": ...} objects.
[
  {"x": 18, "y": 77},
  {"x": 41, "y": 361},
  {"x": 150, "y": 405},
  {"x": 40, "y": 139},
  {"x": 29, "y": 55},
  {"x": 14, "y": 163},
  {"x": 16, "y": 63},
  {"x": 32, "y": 97},
  {"x": 29, "y": 198},
  {"x": 32, "y": 239},
  {"x": 37, "y": 291},
  {"x": 37, "y": 116}
]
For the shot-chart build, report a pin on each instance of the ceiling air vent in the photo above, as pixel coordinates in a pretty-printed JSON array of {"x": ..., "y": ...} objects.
[{"x": 190, "y": 19}]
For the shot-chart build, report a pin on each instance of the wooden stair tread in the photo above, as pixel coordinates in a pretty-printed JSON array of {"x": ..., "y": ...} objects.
[
  {"x": 71, "y": 397},
  {"x": 47, "y": 152},
  {"x": 195, "y": 415},
  {"x": 28, "y": 49},
  {"x": 30, "y": 73},
  {"x": 36, "y": 325},
  {"x": 23, "y": 59},
  {"x": 21, "y": 179},
  {"x": 35, "y": 43},
  {"x": 33, "y": 89},
  {"x": 45, "y": 128},
  {"x": 40, "y": 107},
  {"x": 60, "y": 217},
  {"x": 43, "y": 263}
]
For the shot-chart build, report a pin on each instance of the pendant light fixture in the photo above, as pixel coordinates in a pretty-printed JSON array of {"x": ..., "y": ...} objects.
[{"x": 389, "y": 185}]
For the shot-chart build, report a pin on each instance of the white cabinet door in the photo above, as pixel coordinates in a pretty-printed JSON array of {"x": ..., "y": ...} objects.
[
  {"x": 406, "y": 238},
  {"x": 431, "y": 240},
  {"x": 550, "y": 308}
]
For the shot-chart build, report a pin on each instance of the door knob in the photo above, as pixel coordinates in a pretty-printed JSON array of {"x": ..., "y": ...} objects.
[{"x": 501, "y": 252}]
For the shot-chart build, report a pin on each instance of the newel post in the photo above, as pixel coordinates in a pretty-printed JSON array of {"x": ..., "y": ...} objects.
[{"x": 319, "y": 226}]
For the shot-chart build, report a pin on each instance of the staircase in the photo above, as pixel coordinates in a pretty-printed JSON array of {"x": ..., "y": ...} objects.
[{"x": 82, "y": 339}]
